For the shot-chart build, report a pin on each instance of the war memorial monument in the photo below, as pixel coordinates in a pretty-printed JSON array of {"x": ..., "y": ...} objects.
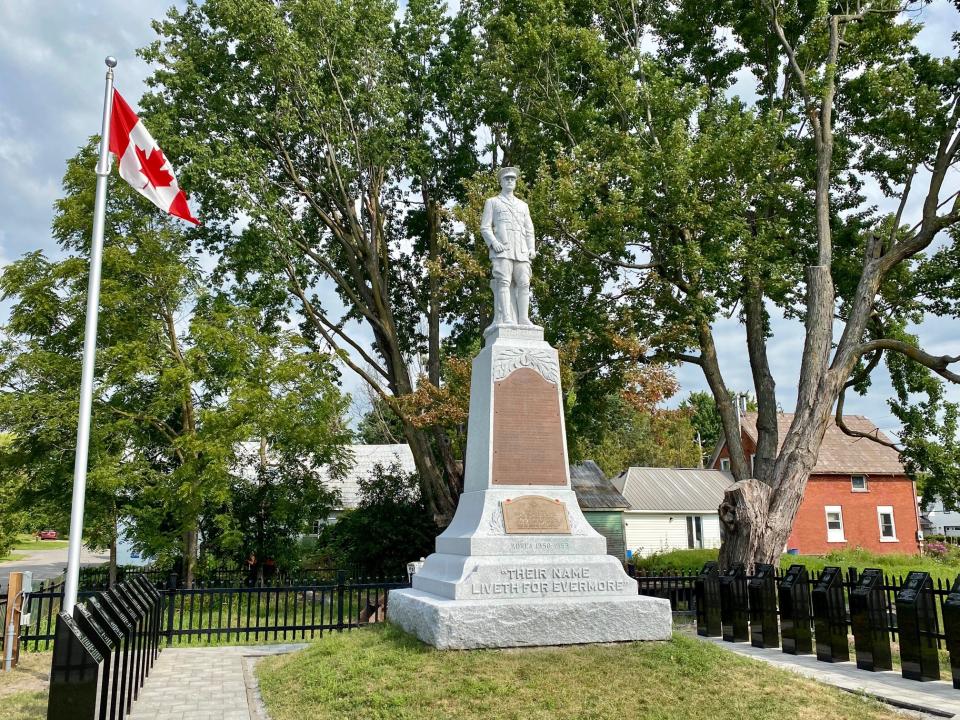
[{"x": 519, "y": 565}]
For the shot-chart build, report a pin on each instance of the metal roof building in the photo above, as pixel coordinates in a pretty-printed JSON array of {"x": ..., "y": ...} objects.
[
  {"x": 594, "y": 491},
  {"x": 672, "y": 490}
]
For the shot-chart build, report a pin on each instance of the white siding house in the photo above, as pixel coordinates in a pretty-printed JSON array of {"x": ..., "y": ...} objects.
[
  {"x": 943, "y": 521},
  {"x": 671, "y": 509},
  {"x": 365, "y": 459}
]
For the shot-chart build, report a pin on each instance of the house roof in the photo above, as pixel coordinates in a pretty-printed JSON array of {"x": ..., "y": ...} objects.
[
  {"x": 671, "y": 490},
  {"x": 594, "y": 491},
  {"x": 365, "y": 459},
  {"x": 840, "y": 453}
]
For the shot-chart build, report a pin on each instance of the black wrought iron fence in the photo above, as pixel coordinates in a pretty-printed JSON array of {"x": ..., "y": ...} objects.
[{"x": 215, "y": 615}]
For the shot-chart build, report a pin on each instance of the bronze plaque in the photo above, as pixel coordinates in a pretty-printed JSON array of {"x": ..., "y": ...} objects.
[
  {"x": 535, "y": 515},
  {"x": 527, "y": 431}
]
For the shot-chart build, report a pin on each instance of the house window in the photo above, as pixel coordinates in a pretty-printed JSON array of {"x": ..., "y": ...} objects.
[
  {"x": 858, "y": 483},
  {"x": 694, "y": 531},
  {"x": 834, "y": 523},
  {"x": 317, "y": 526},
  {"x": 725, "y": 464},
  {"x": 888, "y": 531}
]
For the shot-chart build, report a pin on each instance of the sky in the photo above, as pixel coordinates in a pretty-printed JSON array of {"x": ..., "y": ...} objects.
[{"x": 51, "y": 99}]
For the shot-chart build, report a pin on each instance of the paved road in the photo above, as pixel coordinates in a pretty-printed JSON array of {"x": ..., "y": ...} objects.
[{"x": 46, "y": 564}]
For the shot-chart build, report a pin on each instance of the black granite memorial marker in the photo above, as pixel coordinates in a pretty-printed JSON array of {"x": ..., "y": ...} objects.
[
  {"x": 795, "y": 619},
  {"x": 102, "y": 641},
  {"x": 155, "y": 601},
  {"x": 830, "y": 617},
  {"x": 762, "y": 593},
  {"x": 116, "y": 635},
  {"x": 917, "y": 628},
  {"x": 142, "y": 603},
  {"x": 140, "y": 651},
  {"x": 74, "y": 673},
  {"x": 868, "y": 616},
  {"x": 706, "y": 589},
  {"x": 951, "y": 627},
  {"x": 734, "y": 611},
  {"x": 123, "y": 615}
]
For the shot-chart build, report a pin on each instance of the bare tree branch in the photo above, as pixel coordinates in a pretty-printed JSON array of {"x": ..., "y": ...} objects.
[{"x": 938, "y": 363}]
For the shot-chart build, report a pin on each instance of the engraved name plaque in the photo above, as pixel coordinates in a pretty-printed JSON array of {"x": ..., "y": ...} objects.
[
  {"x": 535, "y": 515},
  {"x": 527, "y": 431}
]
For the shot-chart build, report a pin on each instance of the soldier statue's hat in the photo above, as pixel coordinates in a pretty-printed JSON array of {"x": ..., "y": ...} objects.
[{"x": 507, "y": 171}]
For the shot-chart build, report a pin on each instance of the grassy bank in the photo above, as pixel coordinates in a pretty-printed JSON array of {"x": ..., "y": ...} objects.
[
  {"x": 895, "y": 564},
  {"x": 380, "y": 673}
]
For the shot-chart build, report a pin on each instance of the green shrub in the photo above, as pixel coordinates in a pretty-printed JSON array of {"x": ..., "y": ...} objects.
[
  {"x": 675, "y": 561},
  {"x": 390, "y": 527}
]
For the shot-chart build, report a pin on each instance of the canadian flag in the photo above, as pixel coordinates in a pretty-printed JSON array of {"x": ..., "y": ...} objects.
[{"x": 142, "y": 163}]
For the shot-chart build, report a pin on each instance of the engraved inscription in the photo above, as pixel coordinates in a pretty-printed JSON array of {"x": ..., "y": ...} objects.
[
  {"x": 513, "y": 358},
  {"x": 527, "y": 431},
  {"x": 540, "y": 580},
  {"x": 535, "y": 515}
]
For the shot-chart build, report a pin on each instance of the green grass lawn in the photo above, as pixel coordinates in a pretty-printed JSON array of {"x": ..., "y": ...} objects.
[
  {"x": 896, "y": 564},
  {"x": 29, "y": 543},
  {"x": 380, "y": 673}
]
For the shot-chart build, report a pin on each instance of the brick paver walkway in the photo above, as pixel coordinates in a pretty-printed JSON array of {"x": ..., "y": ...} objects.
[
  {"x": 934, "y": 699},
  {"x": 202, "y": 684}
]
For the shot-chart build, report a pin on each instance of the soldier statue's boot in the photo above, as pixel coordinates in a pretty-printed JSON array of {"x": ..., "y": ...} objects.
[
  {"x": 503, "y": 305},
  {"x": 522, "y": 299}
]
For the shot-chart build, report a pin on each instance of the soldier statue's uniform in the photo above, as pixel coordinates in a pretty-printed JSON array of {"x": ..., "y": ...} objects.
[{"x": 508, "y": 232}]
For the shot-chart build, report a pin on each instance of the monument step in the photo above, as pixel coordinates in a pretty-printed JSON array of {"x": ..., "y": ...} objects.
[{"x": 523, "y": 622}]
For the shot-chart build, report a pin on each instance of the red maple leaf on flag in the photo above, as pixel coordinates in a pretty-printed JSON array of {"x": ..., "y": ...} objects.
[{"x": 152, "y": 167}]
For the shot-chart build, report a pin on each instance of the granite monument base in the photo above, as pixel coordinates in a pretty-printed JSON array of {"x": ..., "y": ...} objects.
[{"x": 525, "y": 622}]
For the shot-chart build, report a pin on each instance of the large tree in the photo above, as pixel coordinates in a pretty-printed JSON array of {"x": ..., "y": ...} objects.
[
  {"x": 328, "y": 142},
  {"x": 335, "y": 136},
  {"x": 184, "y": 376},
  {"x": 715, "y": 205}
]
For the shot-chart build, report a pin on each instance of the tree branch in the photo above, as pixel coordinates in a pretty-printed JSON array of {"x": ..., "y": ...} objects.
[{"x": 938, "y": 363}]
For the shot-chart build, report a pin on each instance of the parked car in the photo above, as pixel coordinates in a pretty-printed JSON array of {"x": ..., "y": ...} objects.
[{"x": 47, "y": 534}]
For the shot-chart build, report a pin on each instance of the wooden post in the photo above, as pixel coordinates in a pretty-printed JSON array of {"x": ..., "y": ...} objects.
[{"x": 14, "y": 604}]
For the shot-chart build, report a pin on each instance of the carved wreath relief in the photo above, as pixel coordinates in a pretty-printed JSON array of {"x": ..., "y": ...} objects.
[{"x": 512, "y": 358}]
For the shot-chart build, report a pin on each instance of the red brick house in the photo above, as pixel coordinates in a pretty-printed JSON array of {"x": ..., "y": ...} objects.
[{"x": 858, "y": 494}]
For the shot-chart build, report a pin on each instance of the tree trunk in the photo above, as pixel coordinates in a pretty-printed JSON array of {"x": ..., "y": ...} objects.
[
  {"x": 756, "y": 517},
  {"x": 112, "y": 566},
  {"x": 744, "y": 526},
  {"x": 437, "y": 493},
  {"x": 189, "y": 556}
]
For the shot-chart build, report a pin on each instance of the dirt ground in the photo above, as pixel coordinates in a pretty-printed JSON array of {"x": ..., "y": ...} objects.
[{"x": 32, "y": 674}]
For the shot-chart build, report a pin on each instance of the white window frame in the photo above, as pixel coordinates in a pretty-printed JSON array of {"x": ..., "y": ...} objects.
[
  {"x": 725, "y": 464},
  {"x": 853, "y": 488},
  {"x": 886, "y": 510},
  {"x": 834, "y": 536}
]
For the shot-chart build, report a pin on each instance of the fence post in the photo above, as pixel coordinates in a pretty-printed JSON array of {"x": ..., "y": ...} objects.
[
  {"x": 171, "y": 597},
  {"x": 341, "y": 583},
  {"x": 14, "y": 585}
]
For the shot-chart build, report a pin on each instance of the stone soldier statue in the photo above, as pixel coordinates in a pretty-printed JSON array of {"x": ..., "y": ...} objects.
[{"x": 508, "y": 231}]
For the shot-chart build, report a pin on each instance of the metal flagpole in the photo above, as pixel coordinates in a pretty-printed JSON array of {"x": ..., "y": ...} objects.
[{"x": 89, "y": 353}]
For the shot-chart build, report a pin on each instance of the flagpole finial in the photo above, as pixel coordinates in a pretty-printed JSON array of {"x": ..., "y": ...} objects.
[{"x": 110, "y": 61}]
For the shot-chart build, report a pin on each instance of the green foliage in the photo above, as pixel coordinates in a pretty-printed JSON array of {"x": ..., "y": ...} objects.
[
  {"x": 379, "y": 425},
  {"x": 942, "y": 565},
  {"x": 184, "y": 375},
  {"x": 681, "y": 561},
  {"x": 705, "y": 419},
  {"x": 637, "y": 438},
  {"x": 389, "y": 527}
]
